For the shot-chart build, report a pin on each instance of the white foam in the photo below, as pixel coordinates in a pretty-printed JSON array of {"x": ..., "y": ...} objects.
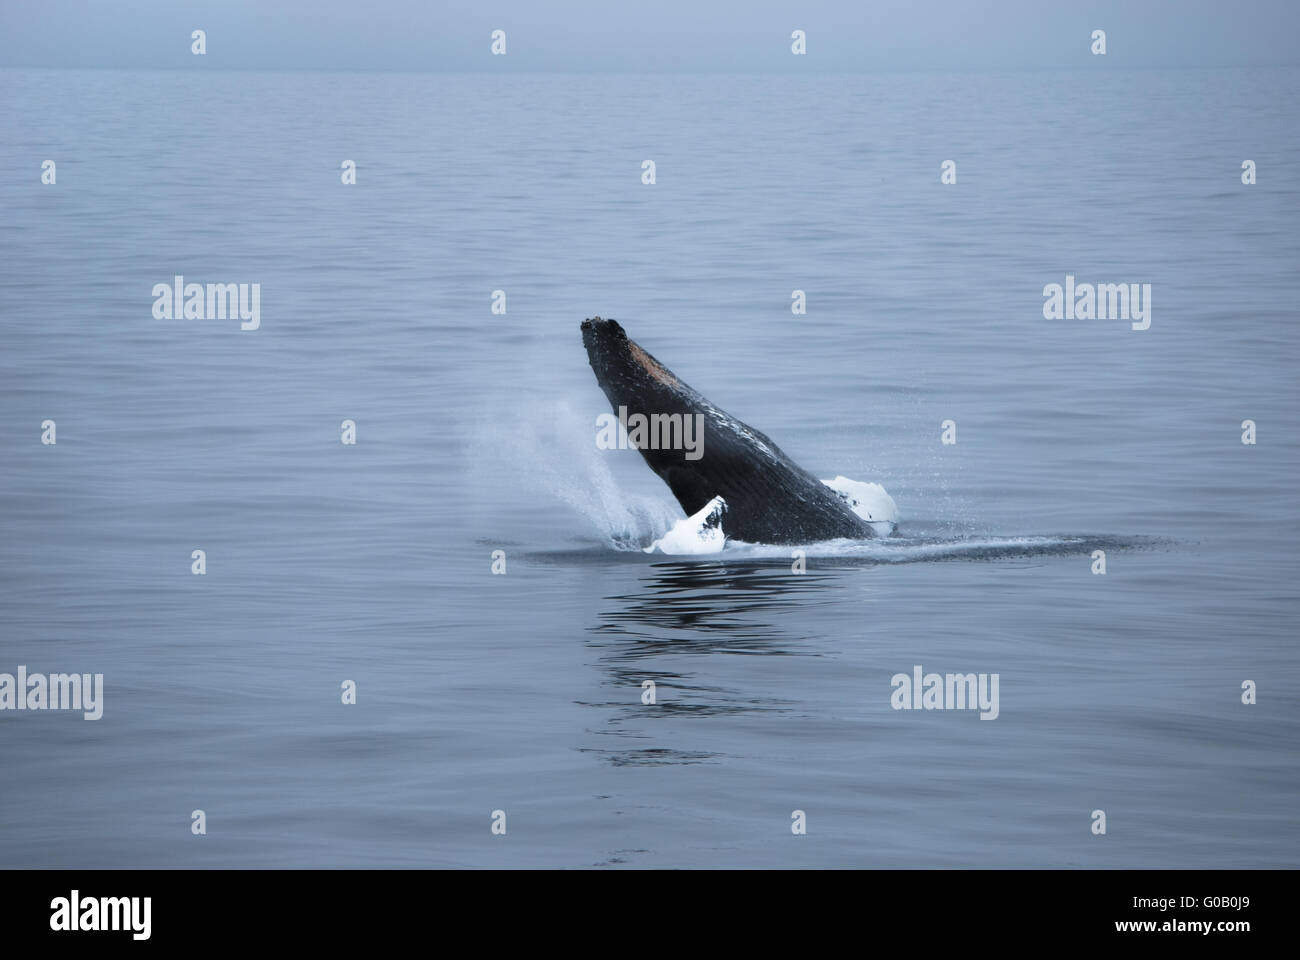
[
  {"x": 908, "y": 550},
  {"x": 870, "y": 501},
  {"x": 699, "y": 533}
]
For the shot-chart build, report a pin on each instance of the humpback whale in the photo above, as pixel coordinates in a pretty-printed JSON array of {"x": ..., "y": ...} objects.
[{"x": 766, "y": 496}]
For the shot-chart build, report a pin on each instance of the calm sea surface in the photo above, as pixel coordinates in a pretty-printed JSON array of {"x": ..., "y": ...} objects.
[{"x": 522, "y": 692}]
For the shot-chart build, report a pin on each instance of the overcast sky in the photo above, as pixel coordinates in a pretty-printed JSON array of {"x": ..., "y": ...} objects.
[{"x": 599, "y": 35}]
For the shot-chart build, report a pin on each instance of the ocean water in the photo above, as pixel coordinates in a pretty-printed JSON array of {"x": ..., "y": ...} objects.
[{"x": 522, "y": 692}]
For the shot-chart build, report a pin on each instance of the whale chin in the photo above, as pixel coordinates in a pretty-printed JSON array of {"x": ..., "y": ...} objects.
[{"x": 768, "y": 497}]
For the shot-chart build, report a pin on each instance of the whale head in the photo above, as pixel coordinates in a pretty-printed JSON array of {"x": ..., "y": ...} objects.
[
  {"x": 767, "y": 497},
  {"x": 624, "y": 370}
]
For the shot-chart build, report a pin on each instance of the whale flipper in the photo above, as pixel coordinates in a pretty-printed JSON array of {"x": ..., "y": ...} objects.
[{"x": 769, "y": 498}]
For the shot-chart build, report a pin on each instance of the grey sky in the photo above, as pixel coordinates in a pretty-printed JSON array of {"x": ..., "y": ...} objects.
[{"x": 598, "y": 35}]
